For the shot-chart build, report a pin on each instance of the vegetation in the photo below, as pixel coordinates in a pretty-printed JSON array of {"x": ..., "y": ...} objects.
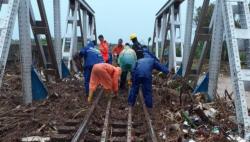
[{"x": 208, "y": 16}]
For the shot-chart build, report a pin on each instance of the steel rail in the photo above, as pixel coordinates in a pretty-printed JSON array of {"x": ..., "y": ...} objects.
[
  {"x": 130, "y": 125},
  {"x": 84, "y": 123},
  {"x": 148, "y": 119},
  {"x": 129, "y": 130},
  {"x": 104, "y": 136}
]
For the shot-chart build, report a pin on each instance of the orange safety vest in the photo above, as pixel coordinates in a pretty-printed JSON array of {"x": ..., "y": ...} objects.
[
  {"x": 104, "y": 48},
  {"x": 105, "y": 75},
  {"x": 117, "y": 49}
]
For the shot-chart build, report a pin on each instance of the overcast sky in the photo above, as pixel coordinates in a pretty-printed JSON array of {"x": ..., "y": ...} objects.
[
  {"x": 116, "y": 18},
  {"x": 120, "y": 18}
]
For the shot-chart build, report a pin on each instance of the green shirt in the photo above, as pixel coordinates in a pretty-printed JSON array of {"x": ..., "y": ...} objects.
[{"x": 127, "y": 59}]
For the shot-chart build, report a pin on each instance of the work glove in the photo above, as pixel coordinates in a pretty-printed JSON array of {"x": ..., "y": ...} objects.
[
  {"x": 161, "y": 74},
  {"x": 129, "y": 82}
]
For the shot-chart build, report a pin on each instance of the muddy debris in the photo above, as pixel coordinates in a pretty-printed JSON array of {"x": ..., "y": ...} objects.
[
  {"x": 181, "y": 116},
  {"x": 177, "y": 114},
  {"x": 66, "y": 100}
]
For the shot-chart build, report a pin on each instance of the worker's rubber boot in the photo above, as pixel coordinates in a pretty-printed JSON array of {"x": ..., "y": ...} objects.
[{"x": 90, "y": 97}]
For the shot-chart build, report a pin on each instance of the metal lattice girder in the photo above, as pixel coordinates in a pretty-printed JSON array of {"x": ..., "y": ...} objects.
[
  {"x": 6, "y": 33},
  {"x": 85, "y": 27},
  {"x": 70, "y": 39},
  {"x": 156, "y": 37},
  {"x": 175, "y": 42},
  {"x": 25, "y": 49},
  {"x": 3, "y": 2},
  {"x": 206, "y": 46},
  {"x": 188, "y": 34},
  {"x": 92, "y": 28},
  {"x": 216, "y": 51},
  {"x": 205, "y": 49},
  {"x": 233, "y": 35},
  {"x": 167, "y": 6},
  {"x": 164, "y": 28},
  {"x": 42, "y": 59},
  {"x": 165, "y": 40},
  {"x": 57, "y": 35},
  {"x": 82, "y": 16},
  {"x": 168, "y": 31},
  {"x": 84, "y": 5},
  {"x": 172, "y": 48},
  {"x": 89, "y": 22},
  {"x": 201, "y": 34},
  {"x": 243, "y": 24},
  {"x": 41, "y": 27}
]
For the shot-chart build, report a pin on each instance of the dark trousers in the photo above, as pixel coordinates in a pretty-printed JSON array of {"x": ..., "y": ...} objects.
[
  {"x": 123, "y": 79},
  {"x": 146, "y": 84},
  {"x": 87, "y": 74}
]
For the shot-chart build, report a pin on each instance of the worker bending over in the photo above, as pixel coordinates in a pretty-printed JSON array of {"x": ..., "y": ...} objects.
[
  {"x": 104, "y": 48},
  {"x": 126, "y": 61},
  {"x": 91, "y": 56},
  {"x": 105, "y": 75},
  {"x": 137, "y": 46},
  {"x": 142, "y": 76}
]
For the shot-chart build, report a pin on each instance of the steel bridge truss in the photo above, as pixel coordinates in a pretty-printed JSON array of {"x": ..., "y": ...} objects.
[
  {"x": 167, "y": 34},
  {"x": 80, "y": 27},
  {"x": 230, "y": 22},
  {"x": 6, "y": 30},
  {"x": 50, "y": 53},
  {"x": 202, "y": 38}
]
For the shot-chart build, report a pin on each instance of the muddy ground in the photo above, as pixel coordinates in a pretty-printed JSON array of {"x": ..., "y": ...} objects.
[
  {"x": 171, "y": 124},
  {"x": 67, "y": 101}
]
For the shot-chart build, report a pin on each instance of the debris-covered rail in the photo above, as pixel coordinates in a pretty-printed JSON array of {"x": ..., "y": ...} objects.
[
  {"x": 110, "y": 119},
  {"x": 113, "y": 121}
]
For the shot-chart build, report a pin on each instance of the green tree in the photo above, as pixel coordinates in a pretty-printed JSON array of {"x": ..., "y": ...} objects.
[{"x": 208, "y": 16}]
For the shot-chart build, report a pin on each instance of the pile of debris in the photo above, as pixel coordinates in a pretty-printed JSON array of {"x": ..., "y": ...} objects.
[
  {"x": 180, "y": 115},
  {"x": 66, "y": 101}
]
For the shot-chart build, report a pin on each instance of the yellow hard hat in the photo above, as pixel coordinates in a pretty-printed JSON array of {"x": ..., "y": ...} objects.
[{"x": 133, "y": 36}]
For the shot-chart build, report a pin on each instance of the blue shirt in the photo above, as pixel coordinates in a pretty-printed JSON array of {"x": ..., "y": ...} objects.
[
  {"x": 91, "y": 55},
  {"x": 148, "y": 54},
  {"x": 145, "y": 66}
]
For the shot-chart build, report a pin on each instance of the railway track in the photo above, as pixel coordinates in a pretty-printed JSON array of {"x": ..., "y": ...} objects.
[{"x": 109, "y": 119}]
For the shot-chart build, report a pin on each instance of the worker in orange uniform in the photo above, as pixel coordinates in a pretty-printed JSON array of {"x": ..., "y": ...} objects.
[
  {"x": 117, "y": 49},
  {"x": 105, "y": 75},
  {"x": 104, "y": 48}
]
